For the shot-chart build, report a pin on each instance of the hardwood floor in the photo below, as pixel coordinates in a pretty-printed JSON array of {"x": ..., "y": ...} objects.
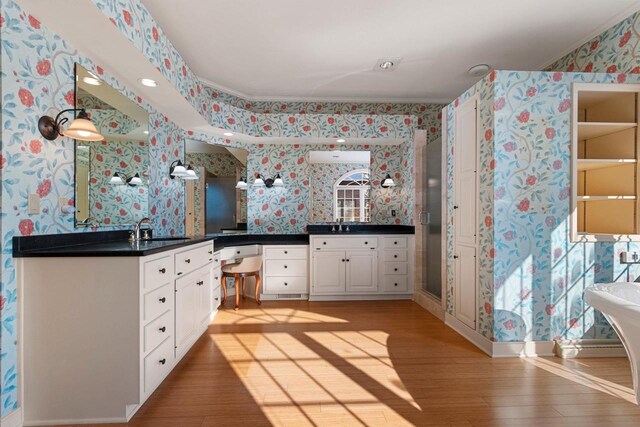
[{"x": 375, "y": 363}]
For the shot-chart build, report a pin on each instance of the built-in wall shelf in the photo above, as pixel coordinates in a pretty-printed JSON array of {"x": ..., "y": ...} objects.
[
  {"x": 603, "y": 198},
  {"x": 592, "y": 164},
  {"x": 590, "y": 130}
]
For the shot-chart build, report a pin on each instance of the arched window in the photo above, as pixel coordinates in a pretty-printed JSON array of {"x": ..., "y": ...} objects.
[{"x": 351, "y": 196}]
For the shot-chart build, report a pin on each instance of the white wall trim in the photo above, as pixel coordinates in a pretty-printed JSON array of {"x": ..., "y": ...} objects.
[
  {"x": 469, "y": 334},
  {"x": 429, "y": 303},
  {"x": 76, "y": 421},
  {"x": 355, "y": 100},
  {"x": 523, "y": 349},
  {"x": 13, "y": 419},
  {"x": 593, "y": 34},
  {"x": 573, "y": 349}
]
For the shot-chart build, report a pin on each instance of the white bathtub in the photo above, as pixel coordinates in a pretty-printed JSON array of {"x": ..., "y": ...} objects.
[{"x": 620, "y": 304}]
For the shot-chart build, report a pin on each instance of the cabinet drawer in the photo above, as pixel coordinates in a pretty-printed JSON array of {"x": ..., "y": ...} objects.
[
  {"x": 329, "y": 243},
  {"x": 245, "y": 251},
  {"x": 157, "y": 365},
  {"x": 395, "y": 242},
  {"x": 217, "y": 260},
  {"x": 157, "y": 331},
  {"x": 191, "y": 259},
  {"x": 395, "y": 268},
  {"x": 157, "y": 302},
  {"x": 399, "y": 255},
  {"x": 217, "y": 276},
  {"x": 157, "y": 273},
  {"x": 217, "y": 296},
  {"x": 286, "y": 252},
  {"x": 281, "y": 267},
  {"x": 395, "y": 283},
  {"x": 284, "y": 285}
]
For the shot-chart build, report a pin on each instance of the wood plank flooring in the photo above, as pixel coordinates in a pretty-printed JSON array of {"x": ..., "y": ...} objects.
[{"x": 375, "y": 363}]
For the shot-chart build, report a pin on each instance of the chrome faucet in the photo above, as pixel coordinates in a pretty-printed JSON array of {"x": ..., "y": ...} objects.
[
  {"x": 340, "y": 220},
  {"x": 135, "y": 236}
]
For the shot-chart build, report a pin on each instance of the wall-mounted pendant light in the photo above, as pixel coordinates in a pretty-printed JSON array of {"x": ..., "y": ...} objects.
[
  {"x": 81, "y": 128},
  {"x": 121, "y": 179},
  {"x": 242, "y": 184},
  {"x": 178, "y": 170},
  {"x": 261, "y": 181},
  {"x": 191, "y": 174},
  {"x": 387, "y": 182}
]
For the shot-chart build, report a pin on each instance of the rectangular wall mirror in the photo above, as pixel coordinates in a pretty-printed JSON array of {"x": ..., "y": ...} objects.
[
  {"x": 340, "y": 186},
  {"x": 107, "y": 191},
  {"x": 214, "y": 204}
]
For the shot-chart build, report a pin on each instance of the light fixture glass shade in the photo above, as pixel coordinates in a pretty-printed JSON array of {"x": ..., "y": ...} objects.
[
  {"x": 179, "y": 170},
  {"x": 83, "y": 130},
  {"x": 242, "y": 184},
  {"x": 116, "y": 179},
  {"x": 259, "y": 182},
  {"x": 277, "y": 182},
  {"x": 191, "y": 174},
  {"x": 387, "y": 182},
  {"x": 135, "y": 180}
]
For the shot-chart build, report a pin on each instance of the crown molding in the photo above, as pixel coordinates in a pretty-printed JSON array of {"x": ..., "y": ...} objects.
[
  {"x": 260, "y": 98},
  {"x": 596, "y": 32}
]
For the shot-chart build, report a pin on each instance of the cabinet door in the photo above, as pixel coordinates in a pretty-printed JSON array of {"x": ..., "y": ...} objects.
[
  {"x": 329, "y": 272},
  {"x": 465, "y": 285},
  {"x": 186, "y": 308},
  {"x": 205, "y": 295},
  {"x": 362, "y": 271}
]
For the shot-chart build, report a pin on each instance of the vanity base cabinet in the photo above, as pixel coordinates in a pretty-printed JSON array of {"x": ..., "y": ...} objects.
[
  {"x": 285, "y": 272},
  {"x": 360, "y": 267},
  {"x": 101, "y": 333}
]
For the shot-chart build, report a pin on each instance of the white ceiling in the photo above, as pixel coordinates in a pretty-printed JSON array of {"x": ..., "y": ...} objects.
[{"x": 314, "y": 50}]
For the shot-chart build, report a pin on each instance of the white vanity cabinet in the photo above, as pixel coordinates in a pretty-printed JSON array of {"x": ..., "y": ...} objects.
[
  {"x": 100, "y": 333},
  {"x": 285, "y": 272},
  {"x": 360, "y": 267}
]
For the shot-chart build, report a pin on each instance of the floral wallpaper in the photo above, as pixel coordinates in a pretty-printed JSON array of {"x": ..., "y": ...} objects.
[
  {"x": 37, "y": 78},
  {"x": 616, "y": 50},
  {"x": 322, "y": 179},
  {"x": 532, "y": 277},
  {"x": 218, "y": 164},
  {"x": 287, "y": 210},
  {"x": 117, "y": 204}
]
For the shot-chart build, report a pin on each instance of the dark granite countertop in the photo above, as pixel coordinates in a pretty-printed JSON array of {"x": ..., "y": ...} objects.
[{"x": 116, "y": 243}]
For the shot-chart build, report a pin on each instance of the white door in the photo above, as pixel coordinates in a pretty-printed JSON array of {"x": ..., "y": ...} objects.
[
  {"x": 362, "y": 271},
  {"x": 186, "y": 310},
  {"x": 329, "y": 272},
  {"x": 465, "y": 217}
]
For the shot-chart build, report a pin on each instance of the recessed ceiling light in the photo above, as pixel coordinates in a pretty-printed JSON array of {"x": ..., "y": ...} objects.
[
  {"x": 386, "y": 64},
  {"x": 341, "y": 140},
  {"x": 91, "y": 81},
  {"x": 479, "y": 70},
  {"x": 148, "y": 82},
  {"x": 228, "y": 134}
]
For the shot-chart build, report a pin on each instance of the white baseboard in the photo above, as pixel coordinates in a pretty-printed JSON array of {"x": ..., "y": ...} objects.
[
  {"x": 13, "y": 419},
  {"x": 500, "y": 349},
  {"x": 360, "y": 297},
  {"x": 472, "y": 336},
  {"x": 74, "y": 421},
  {"x": 429, "y": 303},
  {"x": 573, "y": 349},
  {"x": 523, "y": 349}
]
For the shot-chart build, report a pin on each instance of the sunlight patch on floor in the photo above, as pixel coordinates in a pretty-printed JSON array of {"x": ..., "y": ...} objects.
[{"x": 584, "y": 379}]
